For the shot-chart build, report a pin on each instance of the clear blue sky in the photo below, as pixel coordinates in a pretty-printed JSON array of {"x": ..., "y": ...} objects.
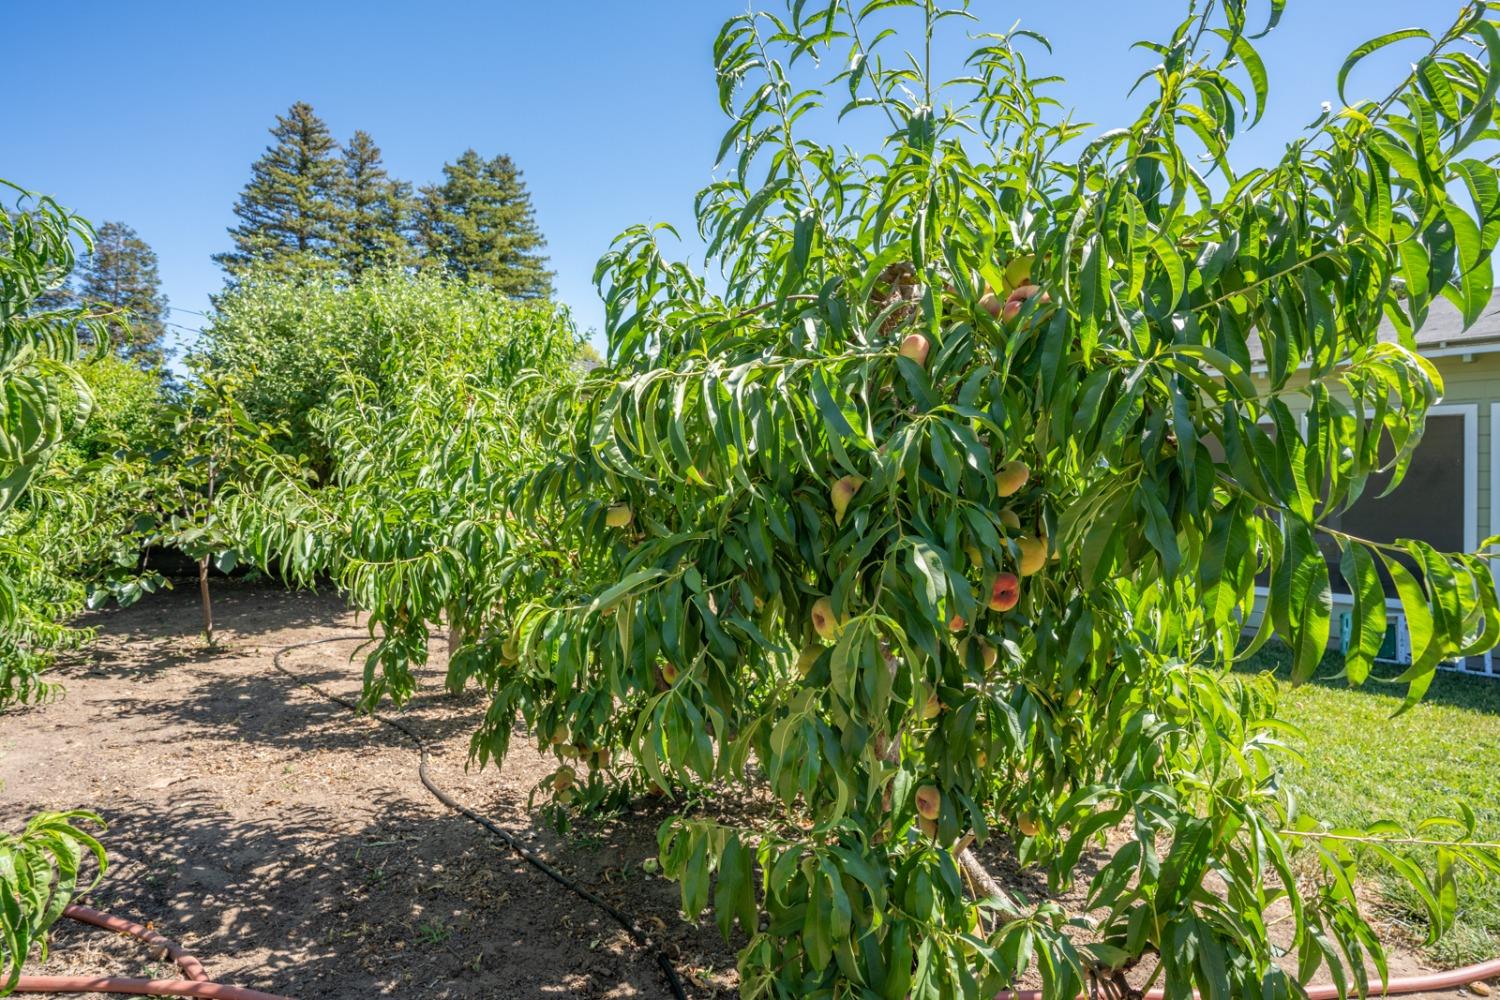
[{"x": 151, "y": 112}]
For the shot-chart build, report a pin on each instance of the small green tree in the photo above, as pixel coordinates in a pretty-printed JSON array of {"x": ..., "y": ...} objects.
[
  {"x": 377, "y": 211},
  {"x": 289, "y": 343},
  {"x": 120, "y": 275},
  {"x": 480, "y": 226},
  {"x": 44, "y": 404},
  {"x": 289, "y": 211},
  {"x": 405, "y": 513}
]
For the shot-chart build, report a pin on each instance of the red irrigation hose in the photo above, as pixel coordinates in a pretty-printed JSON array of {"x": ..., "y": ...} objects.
[
  {"x": 1452, "y": 979},
  {"x": 195, "y": 985},
  {"x": 138, "y": 987},
  {"x": 190, "y": 966}
]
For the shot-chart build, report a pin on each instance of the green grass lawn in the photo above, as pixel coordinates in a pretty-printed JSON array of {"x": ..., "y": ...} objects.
[{"x": 1363, "y": 765}]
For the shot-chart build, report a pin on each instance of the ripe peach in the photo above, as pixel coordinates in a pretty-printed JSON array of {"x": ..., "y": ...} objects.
[
  {"x": 1033, "y": 554},
  {"x": 929, "y": 802},
  {"x": 842, "y": 492},
  {"x": 1005, "y": 592},
  {"x": 987, "y": 653},
  {"x": 915, "y": 347},
  {"x": 1028, "y": 825},
  {"x": 1018, "y": 298},
  {"x": 1018, "y": 271},
  {"x": 824, "y": 622}
]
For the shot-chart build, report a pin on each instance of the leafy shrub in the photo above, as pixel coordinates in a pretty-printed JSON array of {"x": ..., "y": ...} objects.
[
  {"x": 45, "y": 403},
  {"x": 290, "y": 344},
  {"x": 407, "y": 514},
  {"x": 41, "y": 869}
]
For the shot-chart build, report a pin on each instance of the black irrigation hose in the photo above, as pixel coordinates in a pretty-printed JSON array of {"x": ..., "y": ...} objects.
[{"x": 527, "y": 854}]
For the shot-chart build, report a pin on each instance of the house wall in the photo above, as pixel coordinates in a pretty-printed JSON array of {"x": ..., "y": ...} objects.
[
  {"x": 1471, "y": 388},
  {"x": 1476, "y": 381},
  {"x": 1471, "y": 380}
]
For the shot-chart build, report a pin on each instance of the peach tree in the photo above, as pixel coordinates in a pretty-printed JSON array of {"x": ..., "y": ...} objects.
[
  {"x": 391, "y": 481},
  {"x": 935, "y": 510},
  {"x": 44, "y": 403}
]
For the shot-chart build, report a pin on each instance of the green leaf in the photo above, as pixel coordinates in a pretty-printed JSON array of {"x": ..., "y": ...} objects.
[
  {"x": 1373, "y": 45},
  {"x": 1308, "y": 602},
  {"x": 1369, "y": 621}
]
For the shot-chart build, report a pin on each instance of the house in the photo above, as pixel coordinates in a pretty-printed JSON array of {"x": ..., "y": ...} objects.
[{"x": 1450, "y": 496}]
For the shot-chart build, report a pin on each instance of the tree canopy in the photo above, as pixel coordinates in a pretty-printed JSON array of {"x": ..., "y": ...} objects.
[
  {"x": 120, "y": 274},
  {"x": 289, "y": 212},
  {"x": 378, "y": 211},
  {"x": 479, "y": 224}
]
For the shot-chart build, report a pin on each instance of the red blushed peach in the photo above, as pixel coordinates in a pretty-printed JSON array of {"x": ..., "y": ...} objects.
[
  {"x": 1005, "y": 592},
  {"x": 929, "y": 802},
  {"x": 825, "y": 623}
]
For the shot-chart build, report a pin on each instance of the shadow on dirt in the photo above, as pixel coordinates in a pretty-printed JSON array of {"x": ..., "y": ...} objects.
[
  {"x": 409, "y": 904},
  {"x": 289, "y": 845}
]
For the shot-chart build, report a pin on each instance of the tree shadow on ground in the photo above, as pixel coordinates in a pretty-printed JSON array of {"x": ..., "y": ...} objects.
[
  {"x": 407, "y": 902},
  {"x": 262, "y": 707},
  {"x": 165, "y": 630},
  {"x": 239, "y": 828}
]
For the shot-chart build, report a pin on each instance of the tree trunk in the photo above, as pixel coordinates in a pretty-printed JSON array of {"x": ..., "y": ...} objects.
[{"x": 208, "y": 604}]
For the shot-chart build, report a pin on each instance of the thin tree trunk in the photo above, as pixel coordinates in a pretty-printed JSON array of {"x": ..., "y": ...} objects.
[{"x": 208, "y": 604}]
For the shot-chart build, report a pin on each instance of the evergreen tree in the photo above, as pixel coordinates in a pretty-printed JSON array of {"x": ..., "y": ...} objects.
[
  {"x": 121, "y": 275},
  {"x": 377, "y": 211},
  {"x": 289, "y": 211},
  {"x": 480, "y": 225}
]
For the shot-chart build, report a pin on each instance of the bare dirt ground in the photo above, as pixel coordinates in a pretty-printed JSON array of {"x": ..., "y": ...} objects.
[{"x": 289, "y": 845}]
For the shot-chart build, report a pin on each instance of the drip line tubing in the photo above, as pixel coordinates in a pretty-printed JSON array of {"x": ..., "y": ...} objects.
[{"x": 640, "y": 937}]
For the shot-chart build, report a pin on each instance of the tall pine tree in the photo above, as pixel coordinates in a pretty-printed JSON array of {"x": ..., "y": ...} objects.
[
  {"x": 121, "y": 274},
  {"x": 377, "y": 211},
  {"x": 289, "y": 212},
  {"x": 480, "y": 225}
]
